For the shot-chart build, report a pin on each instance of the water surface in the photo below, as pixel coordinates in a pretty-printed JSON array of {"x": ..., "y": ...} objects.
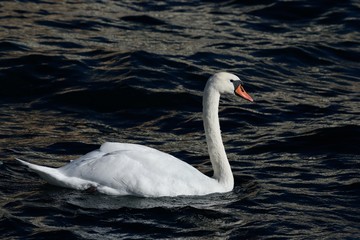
[{"x": 76, "y": 74}]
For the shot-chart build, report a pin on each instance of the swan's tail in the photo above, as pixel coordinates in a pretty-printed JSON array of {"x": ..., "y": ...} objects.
[{"x": 51, "y": 175}]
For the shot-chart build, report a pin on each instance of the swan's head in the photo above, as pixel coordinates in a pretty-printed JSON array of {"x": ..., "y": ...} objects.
[{"x": 229, "y": 83}]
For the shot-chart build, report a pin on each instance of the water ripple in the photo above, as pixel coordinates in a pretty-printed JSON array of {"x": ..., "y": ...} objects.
[{"x": 76, "y": 74}]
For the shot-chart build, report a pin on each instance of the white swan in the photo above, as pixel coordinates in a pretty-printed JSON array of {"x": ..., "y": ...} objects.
[{"x": 131, "y": 169}]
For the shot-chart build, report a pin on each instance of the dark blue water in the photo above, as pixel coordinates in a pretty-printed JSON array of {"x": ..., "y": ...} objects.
[{"x": 74, "y": 74}]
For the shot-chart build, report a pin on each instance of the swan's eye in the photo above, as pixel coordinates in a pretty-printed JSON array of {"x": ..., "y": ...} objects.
[{"x": 231, "y": 80}]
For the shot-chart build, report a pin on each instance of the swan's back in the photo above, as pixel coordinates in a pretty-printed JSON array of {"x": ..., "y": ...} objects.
[{"x": 131, "y": 169}]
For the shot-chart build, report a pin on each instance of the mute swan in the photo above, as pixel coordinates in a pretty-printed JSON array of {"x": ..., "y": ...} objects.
[{"x": 131, "y": 169}]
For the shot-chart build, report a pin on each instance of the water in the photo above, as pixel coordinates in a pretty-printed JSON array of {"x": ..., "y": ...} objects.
[{"x": 76, "y": 74}]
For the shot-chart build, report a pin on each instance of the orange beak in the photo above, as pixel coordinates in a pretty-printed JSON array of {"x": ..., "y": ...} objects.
[{"x": 240, "y": 91}]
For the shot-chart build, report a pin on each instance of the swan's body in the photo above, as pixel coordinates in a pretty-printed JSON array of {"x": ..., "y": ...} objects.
[{"x": 131, "y": 169}]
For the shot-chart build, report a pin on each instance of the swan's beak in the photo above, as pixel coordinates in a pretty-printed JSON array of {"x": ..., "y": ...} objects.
[{"x": 240, "y": 91}]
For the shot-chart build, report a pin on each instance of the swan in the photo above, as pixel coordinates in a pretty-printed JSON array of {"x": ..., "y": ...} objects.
[{"x": 132, "y": 169}]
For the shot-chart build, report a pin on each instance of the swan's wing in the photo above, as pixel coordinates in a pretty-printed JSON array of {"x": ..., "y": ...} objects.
[
  {"x": 147, "y": 172},
  {"x": 129, "y": 169},
  {"x": 109, "y": 147}
]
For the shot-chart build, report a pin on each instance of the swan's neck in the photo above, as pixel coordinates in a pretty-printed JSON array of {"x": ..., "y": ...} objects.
[{"x": 218, "y": 158}]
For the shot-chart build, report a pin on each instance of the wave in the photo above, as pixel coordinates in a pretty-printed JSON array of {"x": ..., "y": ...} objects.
[
  {"x": 327, "y": 140},
  {"x": 76, "y": 74}
]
